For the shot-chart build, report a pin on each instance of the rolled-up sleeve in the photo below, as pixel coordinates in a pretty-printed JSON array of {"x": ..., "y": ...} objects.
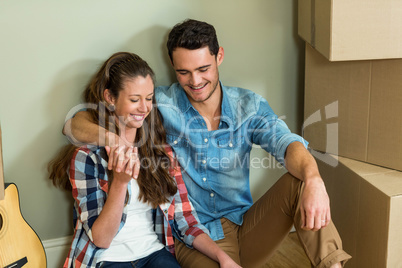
[
  {"x": 86, "y": 189},
  {"x": 271, "y": 132},
  {"x": 185, "y": 216}
]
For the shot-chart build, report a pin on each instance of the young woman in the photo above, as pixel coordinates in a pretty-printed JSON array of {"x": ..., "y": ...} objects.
[{"x": 121, "y": 221}]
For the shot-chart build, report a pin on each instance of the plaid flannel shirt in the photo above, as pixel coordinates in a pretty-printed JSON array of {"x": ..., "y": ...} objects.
[{"x": 89, "y": 182}]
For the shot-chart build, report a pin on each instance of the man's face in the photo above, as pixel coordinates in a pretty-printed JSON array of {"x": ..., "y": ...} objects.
[{"x": 197, "y": 72}]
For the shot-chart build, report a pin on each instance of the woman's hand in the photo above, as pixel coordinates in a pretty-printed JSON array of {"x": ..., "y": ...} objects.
[
  {"x": 207, "y": 246},
  {"x": 106, "y": 226},
  {"x": 228, "y": 263},
  {"x": 123, "y": 159}
]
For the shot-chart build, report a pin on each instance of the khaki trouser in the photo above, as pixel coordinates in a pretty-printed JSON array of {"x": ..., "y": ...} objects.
[{"x": 264, "y": 227}]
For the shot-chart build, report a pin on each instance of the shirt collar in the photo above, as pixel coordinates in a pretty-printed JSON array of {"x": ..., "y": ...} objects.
[
  {"x": 182, "y": 100},
  {"x": 226, "y": 111},
  {"x": 184, "y": 103}
]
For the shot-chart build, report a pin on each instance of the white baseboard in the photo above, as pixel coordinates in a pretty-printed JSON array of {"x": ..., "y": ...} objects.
[{"x": 57, "y": 251}]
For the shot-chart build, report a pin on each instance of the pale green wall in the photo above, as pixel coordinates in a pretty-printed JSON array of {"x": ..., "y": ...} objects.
[{"x": 49, "y": 49}]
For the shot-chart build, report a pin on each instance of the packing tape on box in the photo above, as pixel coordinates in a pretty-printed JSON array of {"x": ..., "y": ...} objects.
[{"x": 312, "y": 17}]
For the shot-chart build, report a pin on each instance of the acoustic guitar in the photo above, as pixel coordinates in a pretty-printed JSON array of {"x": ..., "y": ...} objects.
[{"x": 20, "y": 246}]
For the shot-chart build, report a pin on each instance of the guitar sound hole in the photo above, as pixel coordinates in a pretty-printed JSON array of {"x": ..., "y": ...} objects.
[{"x": 1, "y": 222}]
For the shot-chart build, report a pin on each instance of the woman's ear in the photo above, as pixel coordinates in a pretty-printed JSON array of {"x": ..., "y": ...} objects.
[
  {"x": 108, "y": 97},
  {"x": 109, "y": 100}
]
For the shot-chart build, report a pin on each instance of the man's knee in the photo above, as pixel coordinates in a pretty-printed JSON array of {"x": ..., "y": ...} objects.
[
  {"x": 289, "y": 178},
  {"x": 287, "y": 182}
]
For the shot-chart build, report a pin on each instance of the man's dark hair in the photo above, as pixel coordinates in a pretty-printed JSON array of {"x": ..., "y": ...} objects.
[{"x": 193, "y": 34}]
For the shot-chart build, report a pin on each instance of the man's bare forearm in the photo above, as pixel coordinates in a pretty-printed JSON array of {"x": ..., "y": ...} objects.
[
  {"x": 314, "y": 201},
  {"x": 300, "y": 163},
  {"x": 80, "y": 129}
]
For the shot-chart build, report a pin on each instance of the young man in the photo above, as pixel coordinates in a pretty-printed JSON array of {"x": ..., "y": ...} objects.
[{"x": 212, "y": 129}]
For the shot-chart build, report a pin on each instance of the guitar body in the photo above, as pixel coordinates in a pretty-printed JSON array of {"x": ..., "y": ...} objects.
[{"x": 19, "y": 244}]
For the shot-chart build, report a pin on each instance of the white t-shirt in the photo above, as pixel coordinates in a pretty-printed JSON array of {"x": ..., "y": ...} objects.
[{"x": 137, "y": 238}]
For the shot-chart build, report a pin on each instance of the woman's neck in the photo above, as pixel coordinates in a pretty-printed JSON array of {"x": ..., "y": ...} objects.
[{"x": 127, "y": 133}]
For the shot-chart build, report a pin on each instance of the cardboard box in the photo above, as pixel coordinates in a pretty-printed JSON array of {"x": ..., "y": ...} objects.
[
  {"x": 344, "y": 30},
  {"x": 366, "y": 207},
  {"x": 354, "y": 109}
]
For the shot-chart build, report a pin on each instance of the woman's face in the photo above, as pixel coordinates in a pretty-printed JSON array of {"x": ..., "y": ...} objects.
[{"x": 135, "y": 101}]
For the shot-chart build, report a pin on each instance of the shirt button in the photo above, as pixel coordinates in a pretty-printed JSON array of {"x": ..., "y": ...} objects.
[
  {"x": 206, "y": 140},
  {"x": 204, "y": 179},
  {"x": 204, "y": 161},
  {"x": 175, "y": 142},
  {"x": 230, "y": 144},
  {"x": 212, "y": 194}
]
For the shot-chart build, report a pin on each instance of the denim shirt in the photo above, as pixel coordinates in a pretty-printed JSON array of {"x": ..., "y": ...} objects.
[{"x": 216, "y": 163}]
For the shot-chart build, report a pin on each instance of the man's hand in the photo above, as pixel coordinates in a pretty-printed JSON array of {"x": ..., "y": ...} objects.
[
  {"x": 314, "y": 202},
  {"x": 314, "y": 205},
  {"x": 124, "y": 159}
]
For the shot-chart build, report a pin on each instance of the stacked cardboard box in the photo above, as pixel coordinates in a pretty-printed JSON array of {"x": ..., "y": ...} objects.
[
  {"x": 366, "y": 101},
  {"x": 352, "y": 30},
  {"x": 366, "y": 207},
  {"x": 353, "y": 109}
]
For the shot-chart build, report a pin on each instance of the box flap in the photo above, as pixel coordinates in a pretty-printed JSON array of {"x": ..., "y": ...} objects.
[
  {"x": 314, "y": 25},
  {"x": 363, "y": 168},
  {"x": 323, "y": 27},
  {"x": 304, "y": 19},
  {"x": 388, "y": 181}
]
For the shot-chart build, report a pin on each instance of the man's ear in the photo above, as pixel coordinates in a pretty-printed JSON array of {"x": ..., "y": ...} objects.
[{"x": 220, "y": 56}]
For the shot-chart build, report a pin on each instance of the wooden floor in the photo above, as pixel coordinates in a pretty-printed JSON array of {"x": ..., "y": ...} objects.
[{"x": 289, "y": 255}]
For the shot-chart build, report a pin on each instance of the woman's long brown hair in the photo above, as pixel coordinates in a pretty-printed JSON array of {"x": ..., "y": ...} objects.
[{"x": 154, "y": 180}]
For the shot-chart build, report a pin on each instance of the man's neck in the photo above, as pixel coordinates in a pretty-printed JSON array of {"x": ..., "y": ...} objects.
[{"x": 210, "y": 109}]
